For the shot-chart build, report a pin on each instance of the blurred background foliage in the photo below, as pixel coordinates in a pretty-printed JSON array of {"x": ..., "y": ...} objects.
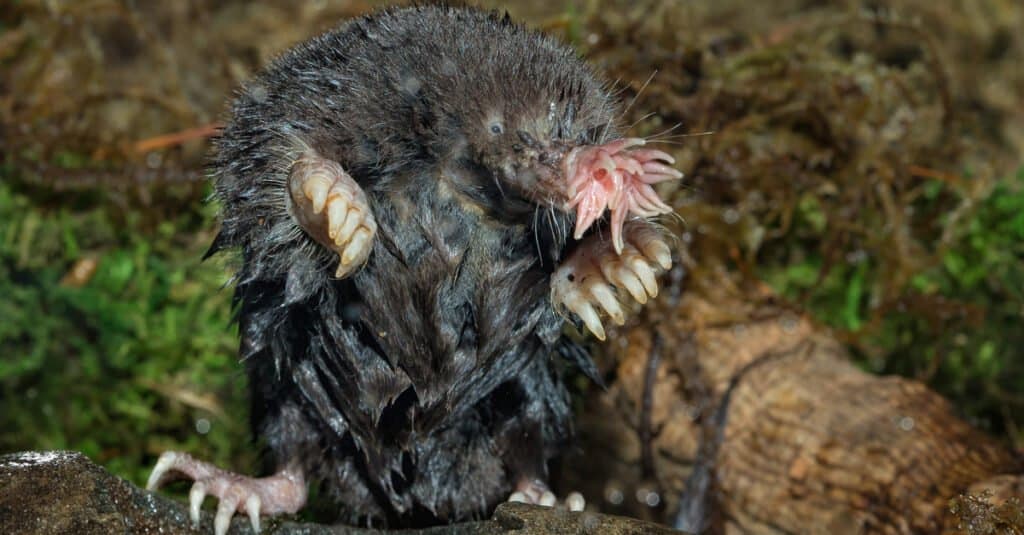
[{"x": 861, "y": 159}]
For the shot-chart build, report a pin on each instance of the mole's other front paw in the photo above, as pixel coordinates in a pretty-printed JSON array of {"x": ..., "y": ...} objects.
[
  {"x": 331, "y": 207},
  {"x": 536, "y": 492},
  {"x": 594, "y": 277},
  {"x": 283, "y": 492}
]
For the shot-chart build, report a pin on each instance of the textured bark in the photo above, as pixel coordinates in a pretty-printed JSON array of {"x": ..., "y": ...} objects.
[{"x": 805, "y": 443}]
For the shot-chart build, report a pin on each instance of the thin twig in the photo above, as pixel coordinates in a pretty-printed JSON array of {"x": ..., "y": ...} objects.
[
  {"x": 646, "y": 430},
  {"x": 176, "y": 138}
]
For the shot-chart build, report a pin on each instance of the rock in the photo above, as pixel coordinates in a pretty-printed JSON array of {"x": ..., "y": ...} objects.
[
  {"x": 56, "y": 492},
  {"x": 65, "y": 492}
]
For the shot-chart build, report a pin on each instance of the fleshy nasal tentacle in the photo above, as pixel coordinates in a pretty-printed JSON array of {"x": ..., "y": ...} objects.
[{"x": 618, "y": 178}]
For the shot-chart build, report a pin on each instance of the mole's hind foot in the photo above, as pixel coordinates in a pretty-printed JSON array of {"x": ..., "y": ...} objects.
[
  {"x": 283, "y": 492},
  {"x": 537, "y": 493},
  {"x": 594, "y": 277},
  {"x": 331, "y": 207}
]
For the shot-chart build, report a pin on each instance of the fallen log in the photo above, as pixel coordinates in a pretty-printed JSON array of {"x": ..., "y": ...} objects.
[{"x": 734, "y": 414}]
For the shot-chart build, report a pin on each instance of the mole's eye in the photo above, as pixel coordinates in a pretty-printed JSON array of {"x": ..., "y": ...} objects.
[{"x": 497, "y": 128}]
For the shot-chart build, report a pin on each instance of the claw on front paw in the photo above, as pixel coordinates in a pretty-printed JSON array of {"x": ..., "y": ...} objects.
[
  {"x": 284, "y": 492},
  {"x": 594, "y": 279},
  {"x": 536, "y": 492},
  {"x": 331, "y": 207}
]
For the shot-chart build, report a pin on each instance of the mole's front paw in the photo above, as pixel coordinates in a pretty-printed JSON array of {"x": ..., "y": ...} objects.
[
  {"x": 330, "y": 206},
  {"x": 594, "y": 277},
  {"x": 283, "y": 492}
]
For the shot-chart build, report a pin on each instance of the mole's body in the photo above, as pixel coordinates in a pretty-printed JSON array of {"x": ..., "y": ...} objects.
[{"x": 399, "y": 189}]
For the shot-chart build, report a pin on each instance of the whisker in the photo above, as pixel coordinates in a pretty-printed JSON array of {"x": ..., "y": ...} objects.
[
  {"x": 567, "y": 227},
  {"x": 638, "y": 93},
  {"x": 640, "y": 120},
  {"x": 536, "y": 237},
  {"x": 553, "y": 222},
  {"x": 615, "y": 89},
  {"x": 664, "y": 132},
  {"x": 497, "y": 182},
  {"x": 608, "y": 125},
  {"x": 691, "y": 134},
  {"x": 671, "y": 140}
]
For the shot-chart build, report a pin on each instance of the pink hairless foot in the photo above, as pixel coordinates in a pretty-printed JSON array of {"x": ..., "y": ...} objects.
[
  {"x": 609, "y": 176},
  {"x": 283, "y": 492}
]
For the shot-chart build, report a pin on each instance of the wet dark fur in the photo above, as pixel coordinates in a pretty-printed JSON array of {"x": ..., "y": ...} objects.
[{"x": 420, "y": 389}]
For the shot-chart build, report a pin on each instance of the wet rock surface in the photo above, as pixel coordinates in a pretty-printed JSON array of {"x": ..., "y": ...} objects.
[{"x": 57, "y": 492}]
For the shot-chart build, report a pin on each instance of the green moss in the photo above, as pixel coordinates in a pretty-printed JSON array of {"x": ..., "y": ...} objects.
[
  {"x": 123, "y": 363},
  {"x": 955, "y": 323}
]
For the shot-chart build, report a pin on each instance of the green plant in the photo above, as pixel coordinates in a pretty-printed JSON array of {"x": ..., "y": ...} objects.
[{"x": 117, "y": 339}]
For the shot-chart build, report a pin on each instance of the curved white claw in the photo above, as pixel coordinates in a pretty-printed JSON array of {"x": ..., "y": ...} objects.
[
  {"x": 225, "y": 510},
  {"x": 252, "y": 506},
  {"x": 590, "y": 318},
  {"x": 349, "y": 223},
  {"x": 163, "y": 464},
  {"x": 643, "y": 270},
  {"x": 282, "y": 492},
  {"x": 360, "y": 241},
  {"x": 195, "y": 501},
  {"x": 620, "y": 275},
  {"x": 659, "y": 252},
  {"x": 316, "y": 189},
  {"x": 603, "y": 294},
  {"x": 336, "y": 211},
  {"x": 537, "y": 493},
  {"x": 575, "y": 502},
  {"x": 595, "y": 278}
]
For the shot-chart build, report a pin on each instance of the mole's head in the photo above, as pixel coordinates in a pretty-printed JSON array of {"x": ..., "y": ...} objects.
[
  {"x": 523, "y": 154},
  {"x": 543, "y": 145},
  {"x": 520, "y": 126},
  {"x": 524, "y": 126}
]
